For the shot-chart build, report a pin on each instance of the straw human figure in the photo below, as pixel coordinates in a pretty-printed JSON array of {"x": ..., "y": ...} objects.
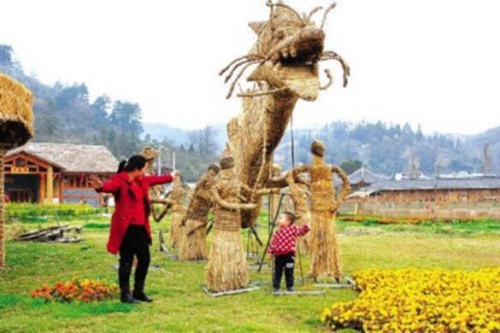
[
  {"x": 16, "y": 128},
  {"x": 324, "y": 246},
  {"x": 227, "y": 267},
  {"x": 155, "y": 192},
  {"x": 177, "y": 196},
  {"x": 193, "y": 243},
  {"x": 300, "y": 196}
]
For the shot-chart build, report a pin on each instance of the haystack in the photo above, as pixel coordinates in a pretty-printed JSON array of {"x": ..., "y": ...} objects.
[
  {"x": 16, "y": 128},
  {"x": 324, "y": 247},
  {"x": 227, "y": 267},
  {"x": 193, "y": 235}
]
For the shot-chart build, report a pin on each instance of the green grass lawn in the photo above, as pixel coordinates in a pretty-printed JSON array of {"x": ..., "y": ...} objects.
[{"x": 180, "y": 305}]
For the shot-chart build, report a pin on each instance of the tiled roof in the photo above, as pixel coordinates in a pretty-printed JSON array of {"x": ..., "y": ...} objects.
[
  {"x": 365, "y": 175},
  {"x": 433, "y": 184},
  {"x": 71, "y": 157}
]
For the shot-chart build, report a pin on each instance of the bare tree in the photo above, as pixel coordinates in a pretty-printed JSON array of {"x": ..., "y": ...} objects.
[{"x": 204, "y": 142}]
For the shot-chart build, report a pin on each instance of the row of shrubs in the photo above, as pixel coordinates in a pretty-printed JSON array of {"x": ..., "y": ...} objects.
[
  {"x": 30, "y": 210},
  {"x": 421, "y": 300},
  {"x": 396, "y": 219}
]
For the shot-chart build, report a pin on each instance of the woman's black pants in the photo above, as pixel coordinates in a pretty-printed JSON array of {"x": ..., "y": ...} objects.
[{"x": 135, "y": 243}]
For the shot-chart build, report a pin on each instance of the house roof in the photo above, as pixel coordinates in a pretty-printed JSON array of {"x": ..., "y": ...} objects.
[
  {"x": 366, "y": 176},
  {"x": 435, "y": 184},
  {"x": 71, "y": 157}
]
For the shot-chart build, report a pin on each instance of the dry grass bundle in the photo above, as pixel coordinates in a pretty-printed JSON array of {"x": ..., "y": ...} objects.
[
  {"x": 227, "y": 267},
  {"x": 16, "y": 128},
  {"x": 193, "y": 243},
  {"x": 16, "y": 114},
  {"x": 323, "y": 243}
]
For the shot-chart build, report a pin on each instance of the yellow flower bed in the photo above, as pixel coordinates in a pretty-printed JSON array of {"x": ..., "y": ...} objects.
[{"x": 414, "y": 300}]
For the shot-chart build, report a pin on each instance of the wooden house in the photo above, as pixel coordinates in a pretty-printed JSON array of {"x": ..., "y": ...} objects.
[{"x": 56, "y": 172}]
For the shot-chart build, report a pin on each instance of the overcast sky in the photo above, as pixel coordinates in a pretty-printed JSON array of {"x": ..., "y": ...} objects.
[{"x": 433, "y": 63}]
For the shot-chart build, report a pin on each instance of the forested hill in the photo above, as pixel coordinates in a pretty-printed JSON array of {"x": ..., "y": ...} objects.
[{"x": 64, "y": 113}]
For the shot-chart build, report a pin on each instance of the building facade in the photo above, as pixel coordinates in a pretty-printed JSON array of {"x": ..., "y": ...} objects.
[{"x": 56, "y": 172}]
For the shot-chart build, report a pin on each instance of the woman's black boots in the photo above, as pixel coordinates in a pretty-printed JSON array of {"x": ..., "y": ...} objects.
[
  {"x": 124, "y": 280},
  {"x": 139, "y": 294}
]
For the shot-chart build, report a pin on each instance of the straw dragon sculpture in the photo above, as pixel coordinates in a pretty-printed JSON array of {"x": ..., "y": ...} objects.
[{"x": 286, "y": 56}]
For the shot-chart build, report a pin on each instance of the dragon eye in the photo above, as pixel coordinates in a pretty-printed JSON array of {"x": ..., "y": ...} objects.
[{"x": 279, "y": 33}]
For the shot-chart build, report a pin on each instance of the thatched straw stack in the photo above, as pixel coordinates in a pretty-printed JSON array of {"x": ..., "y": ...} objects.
[
  {"x": 16, "y": 128},
  {"x": 324, "y": 246},
  {"x": 16, "y": 114},
  {"x": 177, "y": 196},
  {"x": 227, "y": 267},
  {"x": 193, "y": 243}
]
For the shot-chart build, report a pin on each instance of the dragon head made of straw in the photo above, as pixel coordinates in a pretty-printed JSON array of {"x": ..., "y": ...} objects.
[{"x": 287, "y": 52}]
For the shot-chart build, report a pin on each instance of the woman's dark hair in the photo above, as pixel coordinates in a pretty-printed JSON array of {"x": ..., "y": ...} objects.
[{"x": 136, "y": 162}]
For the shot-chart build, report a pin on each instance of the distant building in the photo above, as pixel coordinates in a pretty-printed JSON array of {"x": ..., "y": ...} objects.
[
  {"x": 444, "y": 190},
  {"x": 56, "y": 172},
  {"x": 364, "y": 177}
]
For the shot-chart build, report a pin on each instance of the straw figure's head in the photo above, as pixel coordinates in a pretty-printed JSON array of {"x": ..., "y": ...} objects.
[
  {"x": 288, "y": 49},
  {"x": 149, "y": 153},
  {"x": 276, "y": 170},
  {"x": 227, "y": 163},
  {"x": 213, "y": 169},
  {"x": 318, "y": 148}
]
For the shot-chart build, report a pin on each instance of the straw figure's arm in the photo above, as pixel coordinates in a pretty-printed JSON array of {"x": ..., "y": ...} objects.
[
  {"x": 273, "y": 190},
  {"x": 230, "y": 205},
  {"x": 157, "y": 216},
  {"x": 346, "y": 186},
  {"x": 301, "y": 169},
  {"x": 279, "y": 182}
]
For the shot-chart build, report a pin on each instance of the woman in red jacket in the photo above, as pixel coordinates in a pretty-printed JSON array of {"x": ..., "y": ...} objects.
[{"x": 130, "y": 232}]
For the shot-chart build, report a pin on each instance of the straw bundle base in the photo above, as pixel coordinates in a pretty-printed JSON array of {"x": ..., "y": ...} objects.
[
  {"x": 324, "y": 247},
  {"x": 193, "y": 246},
  {"x": 227, "y": 267},
  {"x": 175, "y": 229}
]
